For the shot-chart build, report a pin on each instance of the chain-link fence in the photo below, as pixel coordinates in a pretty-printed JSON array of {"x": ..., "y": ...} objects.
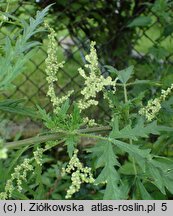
[{"x": 141, "y": 36}]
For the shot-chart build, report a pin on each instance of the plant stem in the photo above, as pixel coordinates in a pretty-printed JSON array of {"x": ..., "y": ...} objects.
[
  {"x": 52, "y": 137},
  {"x": 140, "y": 83},
  {"x": 32, "y": 141},
  {"x": 127, "y": 115},
  {"x": 125, "y": 93}
]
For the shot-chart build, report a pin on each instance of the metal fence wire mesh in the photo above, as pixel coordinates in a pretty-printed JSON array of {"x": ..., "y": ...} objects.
[{"x": 122, "y": 39}]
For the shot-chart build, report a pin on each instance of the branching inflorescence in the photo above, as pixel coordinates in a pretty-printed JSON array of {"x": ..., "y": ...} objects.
[
  {"x": 17, "y": 177},
  {"x": 79, "y": 175},
  {"x": 20, "y": 174},
  {"x": 95, "y": 82},
  {"x": 52, "y": 67},
  {"x": 154, "y": 106}
]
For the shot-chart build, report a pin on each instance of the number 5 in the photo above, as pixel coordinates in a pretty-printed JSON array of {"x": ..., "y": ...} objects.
[{"x": 164, "y": 207}]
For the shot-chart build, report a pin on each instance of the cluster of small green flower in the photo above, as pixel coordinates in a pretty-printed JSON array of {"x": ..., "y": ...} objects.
[
  {"x": 79, "y": 175},
  {"x": 95, "y": 82},
  {"x": 38, "y": 156},
  {"x": 20, "y": 174},
  {"x": 52, "y": 67},
  {"x": 154, "y": 106}
]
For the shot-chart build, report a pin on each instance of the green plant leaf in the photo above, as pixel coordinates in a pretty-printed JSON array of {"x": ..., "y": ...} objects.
[
  {"x": 76, "y": 119},
  {"x": 144, "y": 193},
  {"x": 127, "y": 168},
  {"x": 123, "y": 75},
  {"x": 149, "y": 82},
  {"x": 132, "y": 149},
  {"x": 127, "y": 132},
  {"x": 140, "y": 21},
  {"x": 141, "y": 155},
  {"x": 14, "y": 161},
  {"x": 14, "y": 106},
  {"x": 104, "y": 153},
  {"x": 71, "y": 142},
  {"x": 38, "y": 179},
  {"x": 109, "y": 174},
  {"x": 14, "y": 57},
  {"x": 112, "y": 191},
  {"x": 168, "y": 183},
  {"x": 156, "y": 174},
  {"x": 165, "y": 168},
  {"x": 64, "y": 109},
  {"x": 19, "y": 196}
]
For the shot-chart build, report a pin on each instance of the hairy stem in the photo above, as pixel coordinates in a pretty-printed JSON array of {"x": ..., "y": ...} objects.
[
  {"x": 53, "y": 137},
  {"x": 127, "y": 116},
  {"x": 125, "y": 93}
]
